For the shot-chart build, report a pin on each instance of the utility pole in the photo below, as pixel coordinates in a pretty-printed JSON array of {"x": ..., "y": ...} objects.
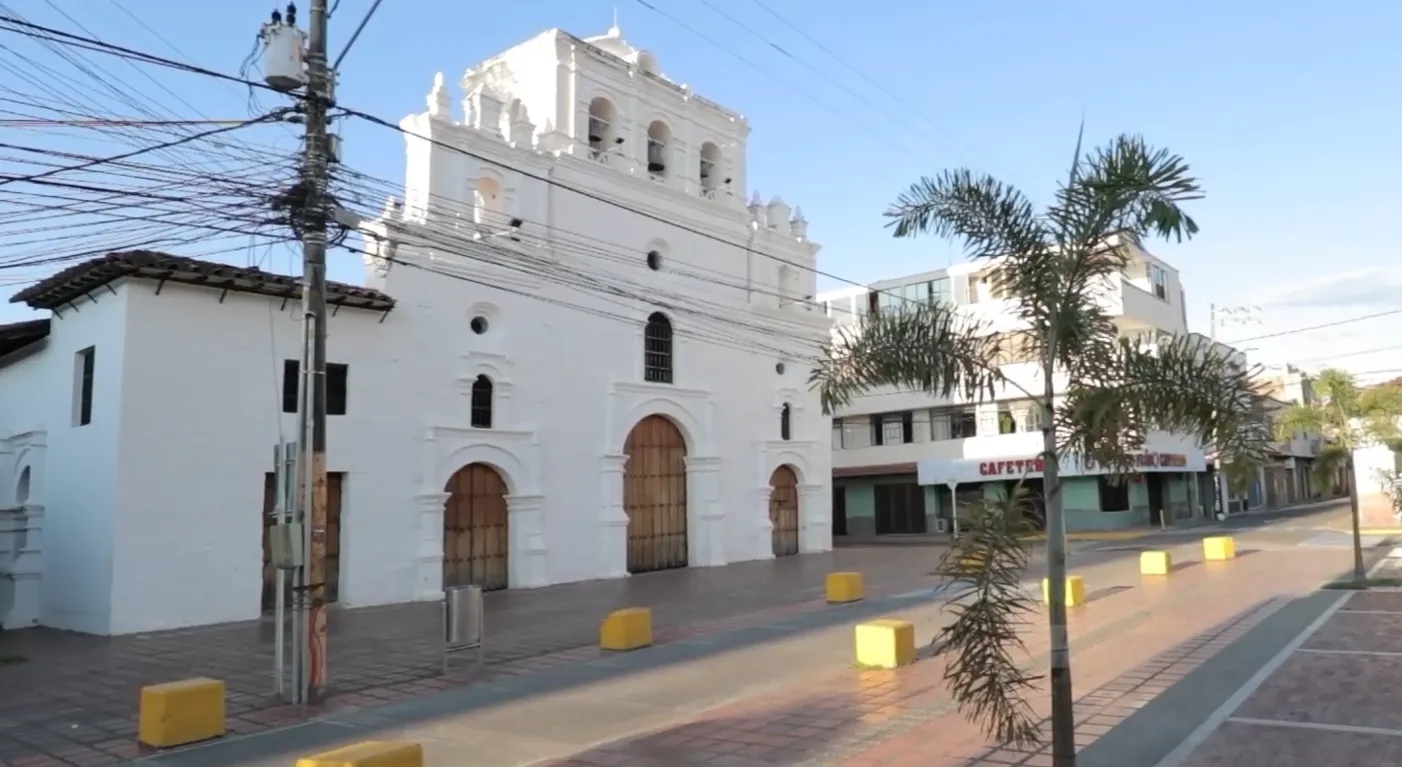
[
  {"x": 314, "y": 179},
  {"x": 1219, "y": 317}
]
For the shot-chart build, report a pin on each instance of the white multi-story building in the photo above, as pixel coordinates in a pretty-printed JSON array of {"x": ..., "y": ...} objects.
[
  {"x": 1289, "y": 476},
  {"x": 587, "y": 357},
  {"x": 899, "y": 455}
]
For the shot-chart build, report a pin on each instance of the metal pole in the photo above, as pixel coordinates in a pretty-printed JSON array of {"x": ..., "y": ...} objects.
[
  {"x": 1220, "y": 491},
  {"x": 314, "y": 173},
  {"x": 279, "y": 606},
  {"x": 954, "y": 509},
  {"x": 303, "y": 494}
]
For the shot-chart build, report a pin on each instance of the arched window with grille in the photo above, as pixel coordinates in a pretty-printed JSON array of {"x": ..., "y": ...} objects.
[
  {"x": 786, "y": 422},
  {"x": 482, "y": 403},
  {"x": 657, "y": 349}
]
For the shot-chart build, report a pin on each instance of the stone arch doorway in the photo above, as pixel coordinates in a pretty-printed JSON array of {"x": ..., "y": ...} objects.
[
  {"x": 476, "y": 546},
  {"x": 654, "y": 495},
  {"x": 783, "y": 510}
]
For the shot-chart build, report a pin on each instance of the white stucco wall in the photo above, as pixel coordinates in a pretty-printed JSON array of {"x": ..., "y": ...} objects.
[
  {"x": 74, "y": 475},
  {"x": 201, "y": 414},
  {"x": 1371, "y": 465}
]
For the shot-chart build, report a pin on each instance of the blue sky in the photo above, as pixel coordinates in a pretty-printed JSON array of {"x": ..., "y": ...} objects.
[{"x": 1287, "y": 110}]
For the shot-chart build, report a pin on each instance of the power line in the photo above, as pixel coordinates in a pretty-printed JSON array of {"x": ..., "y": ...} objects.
[
  {"x": 1320, "y": 326},
  {"x": 782, "y": 51},
  {"x": 356, "y": 34},
  {"x": 127, "y": 155},
  {"x": 149, "y": 58},
  {"x": 751, "y": 64},
  {"x": 844, "y": 62},
  {"x": 1326, "y": 358}
]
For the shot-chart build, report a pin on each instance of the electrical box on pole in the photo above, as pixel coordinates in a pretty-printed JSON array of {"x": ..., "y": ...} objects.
[{"x": 283, "y": 48}]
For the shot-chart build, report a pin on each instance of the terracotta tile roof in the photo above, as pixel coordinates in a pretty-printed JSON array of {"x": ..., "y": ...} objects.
[{"x": 66, "y": 287}]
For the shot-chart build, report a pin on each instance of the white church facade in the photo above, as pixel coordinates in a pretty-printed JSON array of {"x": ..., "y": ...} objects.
[{"x": 579, "y": 354}]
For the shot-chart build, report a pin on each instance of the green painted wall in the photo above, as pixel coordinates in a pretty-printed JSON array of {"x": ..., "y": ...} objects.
[
  {"x": 1080, "y": 494},
  {"x": 861, "y": 499},
  {"x": 1082, "y": 506},
  {"x": 1080, "y": 500},
  {"x": 1177, "y": 491}
]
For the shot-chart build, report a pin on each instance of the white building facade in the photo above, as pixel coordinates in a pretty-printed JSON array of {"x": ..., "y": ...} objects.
[
  {"x": 580, "y": 355},
  {"x": 902, "y": 460}
]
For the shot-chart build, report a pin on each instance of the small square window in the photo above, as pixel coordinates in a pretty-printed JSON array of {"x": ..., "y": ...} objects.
[{"x": 337, "y": 375}]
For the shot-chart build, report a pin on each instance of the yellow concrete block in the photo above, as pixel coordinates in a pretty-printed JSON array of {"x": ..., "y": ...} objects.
[
  {"x": 971, "y": 561},
  {"x": 626, "y": 629},
  {"x": 845, "y": 587},
  {"x": 1218, "y": 548},
  {"x": 885, "y": 643},
  {"x": 176, "y": 713},
  {"x": 1155, "y": 563},
  {"x": 370, "y": 753},
  {"x": 1075, "y": 590}
]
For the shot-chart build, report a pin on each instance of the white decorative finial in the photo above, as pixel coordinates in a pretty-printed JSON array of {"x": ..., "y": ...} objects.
[
  {"x": 614, "y": 31},
  {"x": 438, "y": 97},
  {"x": 798, "y": 225},
  {"x": 777, "y": 213},
  {"x": 756, "y": 201}
]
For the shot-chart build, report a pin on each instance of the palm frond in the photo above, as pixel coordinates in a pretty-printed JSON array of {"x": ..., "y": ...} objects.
[
  {"x": 990, "y": 217},
  {"x": 1182, "y": 386},
  {"x": 920, "y": 347},
  {"x": 1304, "y": 418},
  {"x": 1382, "y": 402},
  {"x": 988, "y": 605},
  {"x": 1337, "y": 389},
  {"x": 1130, "y": 189},
  {"x": 1331, "y": 458}
]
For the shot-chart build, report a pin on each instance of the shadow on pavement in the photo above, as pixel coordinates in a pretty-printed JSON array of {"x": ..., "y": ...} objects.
[{"x": 789, "y": 734}]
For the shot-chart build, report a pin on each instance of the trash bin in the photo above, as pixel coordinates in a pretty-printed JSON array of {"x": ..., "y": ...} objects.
[
  {"x": 463, "y": 623},
  {"x": 462, "y": 616}
]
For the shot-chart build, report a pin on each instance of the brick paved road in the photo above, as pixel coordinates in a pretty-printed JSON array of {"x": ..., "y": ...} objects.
[
  {"x": 73, "y": 701},
  {"x": 1128, "y": 646}
]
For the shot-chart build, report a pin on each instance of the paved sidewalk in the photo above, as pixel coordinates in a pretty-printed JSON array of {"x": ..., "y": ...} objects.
[
  {"x": 1332, "y": 698},
  {"x": 73, "y": 699},
  {"x": 784, "y": 692}
]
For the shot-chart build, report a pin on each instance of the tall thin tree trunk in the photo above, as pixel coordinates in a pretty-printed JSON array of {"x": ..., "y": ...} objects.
[
  {"x": 1063, "y": 718},
  {"x": 1360, "y": 573}
]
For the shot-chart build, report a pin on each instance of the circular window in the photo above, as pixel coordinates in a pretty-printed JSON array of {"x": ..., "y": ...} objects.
[
  {"x": 479, "y": 325},
  {"x": 779, "y": 368},
  {"x": 654, "y": 260}
]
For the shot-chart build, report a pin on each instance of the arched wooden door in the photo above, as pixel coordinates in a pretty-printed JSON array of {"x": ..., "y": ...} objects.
[
  {"x": 475, "y": 543},
  {"x": 654, "y": 495},
  {"x": 783, "y": 510}
]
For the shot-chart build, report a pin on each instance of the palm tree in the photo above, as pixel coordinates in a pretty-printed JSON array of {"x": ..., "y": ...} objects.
[
  {"x": 1348, "y": 418},
  {"x": 1053, "y": 265}
]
